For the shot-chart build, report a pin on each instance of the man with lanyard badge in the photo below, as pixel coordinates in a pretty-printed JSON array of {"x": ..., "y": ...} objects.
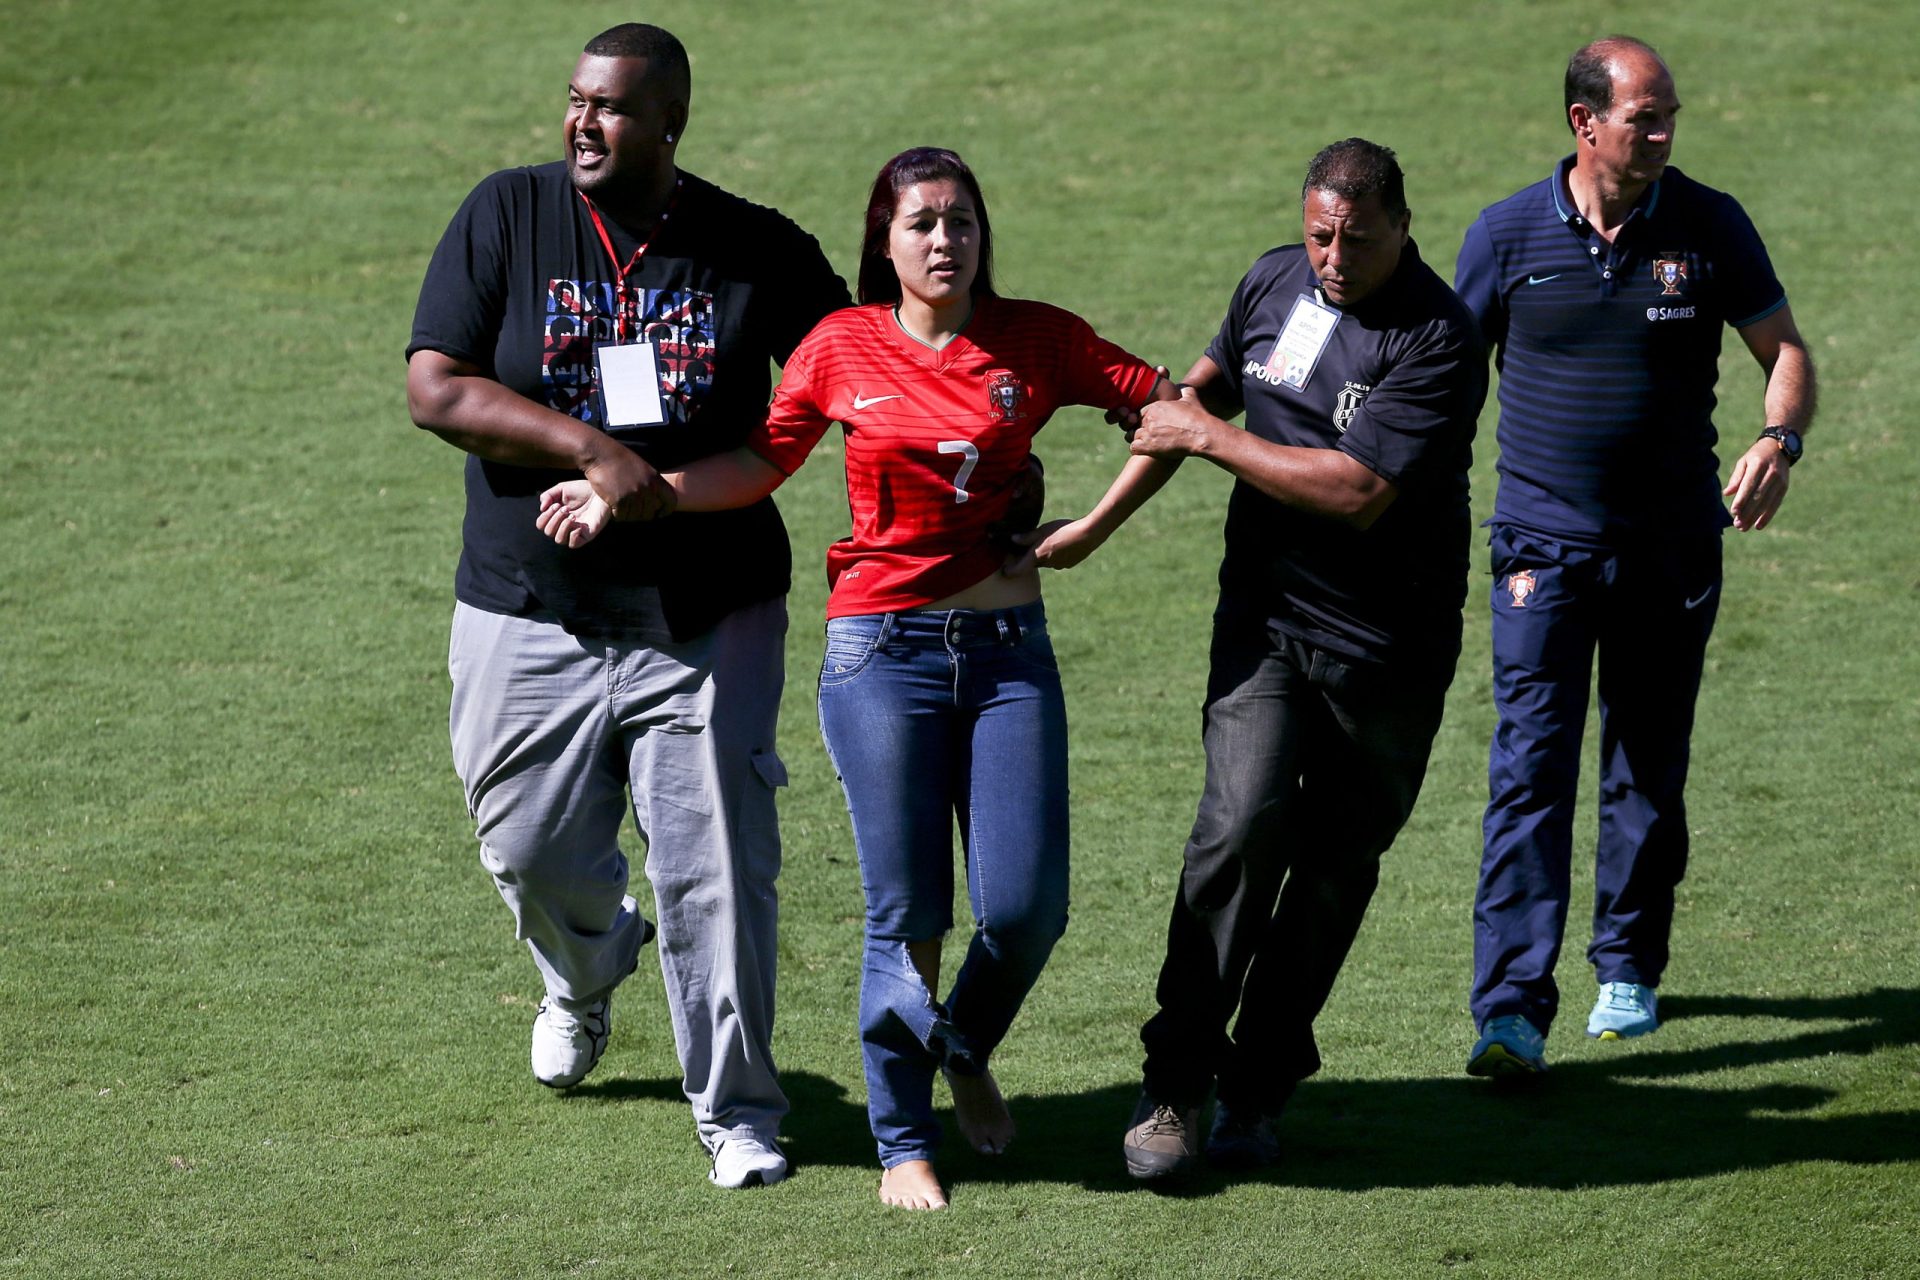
[
  {"x": 1604, "y": 288},
  {"x": 1335, "y": 638},
  {"x": 606, "y": 316}
]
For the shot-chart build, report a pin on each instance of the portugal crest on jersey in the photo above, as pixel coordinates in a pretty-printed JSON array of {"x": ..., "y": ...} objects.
[
  {"x": 1520, "y": 585},
  {"x": 1006, "y": 393},
  {"x": 1670, "y": 274}
]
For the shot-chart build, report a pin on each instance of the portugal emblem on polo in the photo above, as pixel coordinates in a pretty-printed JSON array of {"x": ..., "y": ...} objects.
[
  {"x": 1670, "y": 274},
  {"x": 1520, "y": 585},
  {"x": 1006, "y": 393}
]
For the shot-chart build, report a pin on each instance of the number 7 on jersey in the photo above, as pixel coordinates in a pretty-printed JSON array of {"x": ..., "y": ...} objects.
[{"x": 970, "y": 458}]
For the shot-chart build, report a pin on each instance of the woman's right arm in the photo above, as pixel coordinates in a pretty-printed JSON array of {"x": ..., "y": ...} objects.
[
  {"x": 724, "y": 481},
  {"x": 572, "y": 514}
]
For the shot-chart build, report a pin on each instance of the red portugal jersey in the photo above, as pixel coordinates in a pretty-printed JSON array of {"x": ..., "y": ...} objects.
[{"x": 935, "y": 439}]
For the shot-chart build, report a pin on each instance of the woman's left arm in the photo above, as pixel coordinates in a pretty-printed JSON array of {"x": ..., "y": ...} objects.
[{"x": 1061, "y": 544}]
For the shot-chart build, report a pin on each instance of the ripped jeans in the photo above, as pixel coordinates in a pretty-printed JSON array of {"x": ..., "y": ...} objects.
[{"x": 931, "y": 716}]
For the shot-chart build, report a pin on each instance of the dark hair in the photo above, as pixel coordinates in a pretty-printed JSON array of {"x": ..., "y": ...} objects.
[
  {"x": 664, "y": 53},
  {"x": 878, "y": 282},
  {"x": 1590, "y": 74},
  {"x": 1354, "y": 169}
]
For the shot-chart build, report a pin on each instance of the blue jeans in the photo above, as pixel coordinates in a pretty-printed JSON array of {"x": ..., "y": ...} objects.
[{"x": 931, "y": 716}]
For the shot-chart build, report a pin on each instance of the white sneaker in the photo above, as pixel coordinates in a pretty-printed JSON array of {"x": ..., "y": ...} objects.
[
  {"x": 568, "y": 1038},
  {"x": 570, "y": 1035},
  {"x": 747, "y": 1162}
]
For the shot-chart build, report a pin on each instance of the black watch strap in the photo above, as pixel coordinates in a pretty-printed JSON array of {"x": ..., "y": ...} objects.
[{"x": 1788, "y": 439}]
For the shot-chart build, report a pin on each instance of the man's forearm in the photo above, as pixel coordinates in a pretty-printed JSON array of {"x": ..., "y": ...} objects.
[
  {"x": 1325, "y": 482},
  {"x": 467, "y": 409},
  {"x": 1792, "y": 390},
  {"x": 485, "y": 418}
]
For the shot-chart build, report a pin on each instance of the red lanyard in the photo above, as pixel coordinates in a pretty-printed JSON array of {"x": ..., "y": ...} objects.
[{"x": 619, "y": 272}]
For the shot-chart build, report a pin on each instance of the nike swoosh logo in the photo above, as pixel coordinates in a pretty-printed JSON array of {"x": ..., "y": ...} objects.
[
  {"x": 1700, "y": 599},
  {"x": 858, "y": 403},
  {"x": 1543, "y": 279}
]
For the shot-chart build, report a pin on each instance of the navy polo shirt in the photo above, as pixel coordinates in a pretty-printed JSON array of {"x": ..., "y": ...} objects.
[
  {"x": 1398, "y": 387},
  {"x": 1608, "y": 353}
]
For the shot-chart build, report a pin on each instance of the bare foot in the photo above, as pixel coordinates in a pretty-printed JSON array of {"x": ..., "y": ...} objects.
[
  {"x": 912, "y": 1185},
  {"x": 981, "y": 1112}
]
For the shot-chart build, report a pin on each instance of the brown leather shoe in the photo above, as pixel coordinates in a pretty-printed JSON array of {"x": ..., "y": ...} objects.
[{"x": 1163, "y": 1141}]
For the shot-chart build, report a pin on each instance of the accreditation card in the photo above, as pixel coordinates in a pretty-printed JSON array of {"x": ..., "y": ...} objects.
[
  {"x": 630, "y": 384},
  {"x": 1297, "y": 350}
]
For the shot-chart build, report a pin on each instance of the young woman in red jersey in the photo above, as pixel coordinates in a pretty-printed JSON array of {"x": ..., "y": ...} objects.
[{"x": 939, "y": 696}]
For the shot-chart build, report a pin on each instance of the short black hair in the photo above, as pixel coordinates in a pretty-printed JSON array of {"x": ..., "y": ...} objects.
[
  {"x": 661, "y": 48},
  {"x": 1353, "y": 169},
  {"x": 1590, "y": 74}
]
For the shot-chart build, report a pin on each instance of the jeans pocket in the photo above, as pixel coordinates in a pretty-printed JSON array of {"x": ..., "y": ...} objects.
[
  {"x": 851, "y": 644},
  {"x": 1035, "y": 649}
]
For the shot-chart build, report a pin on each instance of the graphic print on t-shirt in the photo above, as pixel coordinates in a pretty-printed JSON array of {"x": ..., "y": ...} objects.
[
  {"x": 679, "y": 323},
  {"x": 580, "y": 315}
]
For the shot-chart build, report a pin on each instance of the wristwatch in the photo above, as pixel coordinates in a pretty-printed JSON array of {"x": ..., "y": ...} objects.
[{"x": 1787, "y": 438}]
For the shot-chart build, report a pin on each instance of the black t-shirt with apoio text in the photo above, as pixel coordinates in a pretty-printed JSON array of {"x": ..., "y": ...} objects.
[{"x": 1397, "y": 386}]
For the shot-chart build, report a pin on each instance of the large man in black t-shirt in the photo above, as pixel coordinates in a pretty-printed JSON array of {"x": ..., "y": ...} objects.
[
  {"x": 1338, "y": 626},
  {"x": 609, "y": 315}
]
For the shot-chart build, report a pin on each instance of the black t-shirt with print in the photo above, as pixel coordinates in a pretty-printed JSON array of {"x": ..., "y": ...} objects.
[
  {"x": 1398, "y": 387},
  {"x": 522, "y": 287}
]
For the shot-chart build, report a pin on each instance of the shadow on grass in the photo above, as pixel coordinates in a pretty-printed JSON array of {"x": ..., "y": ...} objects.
[
  {"x": 823, "y": 1127},
  {"x": 1618, "y": 1121},
  {"x": 1610, "y": 1121}
]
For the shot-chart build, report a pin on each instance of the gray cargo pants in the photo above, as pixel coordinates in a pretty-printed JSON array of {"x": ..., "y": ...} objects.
[{"x": 551, "y": 733}]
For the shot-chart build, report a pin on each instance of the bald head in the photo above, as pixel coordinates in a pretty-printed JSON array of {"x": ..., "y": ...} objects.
[{"x": 1592, "y": 71}]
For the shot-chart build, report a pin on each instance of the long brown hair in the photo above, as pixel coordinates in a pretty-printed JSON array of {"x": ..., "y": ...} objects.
[{"x": 878, "y": 282}]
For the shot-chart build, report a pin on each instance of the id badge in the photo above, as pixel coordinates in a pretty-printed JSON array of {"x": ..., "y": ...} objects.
[
  {"x": 630, "y": 385},
  {"x": 1297, "y": 350}
]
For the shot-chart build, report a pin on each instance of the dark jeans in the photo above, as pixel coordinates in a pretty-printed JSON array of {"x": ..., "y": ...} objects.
[
  {"x": 1647, "y": 613},
  {"x": 1313, "y": 764}
]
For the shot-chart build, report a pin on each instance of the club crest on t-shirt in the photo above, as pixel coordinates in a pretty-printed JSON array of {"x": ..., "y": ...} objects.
[
  {"x": 1347, "y": 403},
  {"x": 580, "y": 316},
  {"x": 1006, "y": 393}
]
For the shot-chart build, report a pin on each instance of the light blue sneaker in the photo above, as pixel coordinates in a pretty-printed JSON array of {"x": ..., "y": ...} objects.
[
  {"x": 1624, "y": 1009},
  {"x": 1509, "y": 1046}
]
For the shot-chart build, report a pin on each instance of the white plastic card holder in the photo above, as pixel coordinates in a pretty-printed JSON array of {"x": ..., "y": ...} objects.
[
  {"x": 630, "y": 385},
  {"x": 1297, "y": 350}
]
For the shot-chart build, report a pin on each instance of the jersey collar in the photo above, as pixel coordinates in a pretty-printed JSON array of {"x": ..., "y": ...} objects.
[{"x": 1563, "y": 199}]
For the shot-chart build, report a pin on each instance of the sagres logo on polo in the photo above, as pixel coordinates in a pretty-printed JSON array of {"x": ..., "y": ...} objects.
[
  {"x": 1347, "y": 403},
  {"x": 1671, "y": 313}
]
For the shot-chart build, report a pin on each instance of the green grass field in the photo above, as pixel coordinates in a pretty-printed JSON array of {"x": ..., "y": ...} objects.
[{"x": 264, "y": 1012}]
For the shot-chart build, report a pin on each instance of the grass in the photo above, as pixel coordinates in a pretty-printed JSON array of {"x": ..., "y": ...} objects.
[{"x": 267, "y": 1015}]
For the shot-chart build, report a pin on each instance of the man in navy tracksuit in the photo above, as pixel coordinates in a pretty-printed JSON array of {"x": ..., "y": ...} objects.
[{"x": 1604, "y": 288}]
